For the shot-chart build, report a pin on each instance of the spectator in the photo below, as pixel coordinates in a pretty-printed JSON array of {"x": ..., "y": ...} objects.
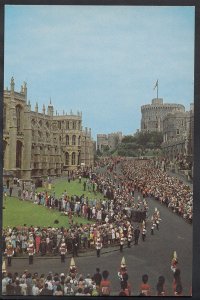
[
  {"x": 105, "y": 286},
  {"x": 145, "y": 288}
]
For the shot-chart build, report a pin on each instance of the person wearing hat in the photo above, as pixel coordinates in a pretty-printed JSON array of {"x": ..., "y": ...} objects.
[
  {"x": 174, "y": 262},
  {"x": 152, "y": 228},
  {"x": 72, "y": 268},
  {"x": 31, "y": 252},
  {"x": 144, "y": 231},
  {"x": 145, "y": 288},
  {"x": 98, "y": 246},
  {"x": 123, "y": 268},
  {"x": 9, "y": 253},
  {"x": 63, "y": 250}
]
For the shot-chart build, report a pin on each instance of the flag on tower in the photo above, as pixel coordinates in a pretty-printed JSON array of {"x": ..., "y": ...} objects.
[{"x": 156, "y": 85}]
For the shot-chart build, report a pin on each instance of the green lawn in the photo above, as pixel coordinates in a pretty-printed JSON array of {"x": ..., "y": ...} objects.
[
  {"x": 18, "y": 212},
  {"x": 72, "y": 188}
]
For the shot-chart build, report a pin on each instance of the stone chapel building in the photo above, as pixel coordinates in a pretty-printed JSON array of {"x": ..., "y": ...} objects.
[{"x": 39, "y": 144}]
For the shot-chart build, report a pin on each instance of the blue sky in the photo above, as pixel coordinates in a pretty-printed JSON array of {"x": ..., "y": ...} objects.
[{"x": 101, "y": 60}]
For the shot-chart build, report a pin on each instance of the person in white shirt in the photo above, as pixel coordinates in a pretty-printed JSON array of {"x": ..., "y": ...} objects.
[
  {"x": 35, "y": 289},
  {"x": 23, "y": 287}
]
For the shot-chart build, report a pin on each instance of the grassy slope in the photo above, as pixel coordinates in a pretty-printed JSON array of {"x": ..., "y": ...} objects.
[{"x": 18, "y": 212}]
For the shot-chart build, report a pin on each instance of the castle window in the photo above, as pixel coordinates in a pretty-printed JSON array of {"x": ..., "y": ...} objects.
[
  {"x": 177, "y": 131},
  {"x": 73, "y": 140},
  {"x": 79, "y": 140},
  {"x": 73, "y": 158},
  {"x": 59, "y": 125},
  {"x": 18, "y": 116},
  {"x": 67, "y": 140},
  {"x": 74, "y": 125},
  {"x": 67, "y": 125},
  {"x": 67, "y": 158}
]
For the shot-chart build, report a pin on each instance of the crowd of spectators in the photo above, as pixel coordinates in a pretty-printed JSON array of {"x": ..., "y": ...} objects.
[
  {"x": 109, "y": 217},
  {"x": 154, "y": 182},
  {"x": 76, "y": 284}
]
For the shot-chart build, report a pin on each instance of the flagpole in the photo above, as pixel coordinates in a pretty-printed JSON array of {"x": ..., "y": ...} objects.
[{"x": 157, "y": 89}]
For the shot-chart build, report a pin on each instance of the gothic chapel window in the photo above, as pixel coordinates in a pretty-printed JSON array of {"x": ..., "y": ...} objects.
[
  {"x": 18, "y": 116},
  {"x": 67, "y": 140},
  {"x": 73, "y": 140},
  {"x": 73, "y": 158}
]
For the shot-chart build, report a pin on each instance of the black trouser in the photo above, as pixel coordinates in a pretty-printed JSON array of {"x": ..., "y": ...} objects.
[
  {"x": 62, "y": 256},
  {"x": 9, "y": 258},
  {"x": 136, "y": 240},
  {"x": 121, "y": 248},
  {"x": 152, "y": 232},
  {"x": 143, "y": 237},
  {"x": 129, "y": 244},
  {"x": 98, "y": 252},
  {"x": 157, "y": 226},
  {"x": 30, "y": 258},
  {"x": 75, "y": 252}
]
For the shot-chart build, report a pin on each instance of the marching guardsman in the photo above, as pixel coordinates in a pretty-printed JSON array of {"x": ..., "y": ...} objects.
[
  {"x": 174, "y": 262},
  {"x": 129, "y": 239},
  {"x": 121, "y": 242},
  {"x": 72, "y": 268},
  {"x": 144, "y": 232},
  {"x": 63, "y": 250},
  {"x": 9, "y": 253},
  {"x": 123, "y": 269},
  {"x": 98, "y": 246},
  {"x": 143, "y": 224},
  {"x": 156, "y": 212},
  {"x": 157, "y": 223},
  {"x": 31, "y": 252},
  {"x": 152, "y": 226}
]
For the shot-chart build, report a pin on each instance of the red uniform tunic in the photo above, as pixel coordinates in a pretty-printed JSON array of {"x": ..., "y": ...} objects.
[{"x": 145, "y": 289}]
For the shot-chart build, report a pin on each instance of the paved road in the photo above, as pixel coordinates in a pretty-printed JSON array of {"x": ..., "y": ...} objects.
[{"x": 152, "y": 256}]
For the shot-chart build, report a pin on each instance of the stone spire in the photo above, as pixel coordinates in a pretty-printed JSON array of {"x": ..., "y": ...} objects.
[
  {"x": 43, "y": 109},
  {"x": 25, "y": 89},
  {"x": 29, "y": 105},
  {"x": 50, "y": 109},
  {"x": 36, "y": 107},
  {"x": 12, "y": 84}
]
